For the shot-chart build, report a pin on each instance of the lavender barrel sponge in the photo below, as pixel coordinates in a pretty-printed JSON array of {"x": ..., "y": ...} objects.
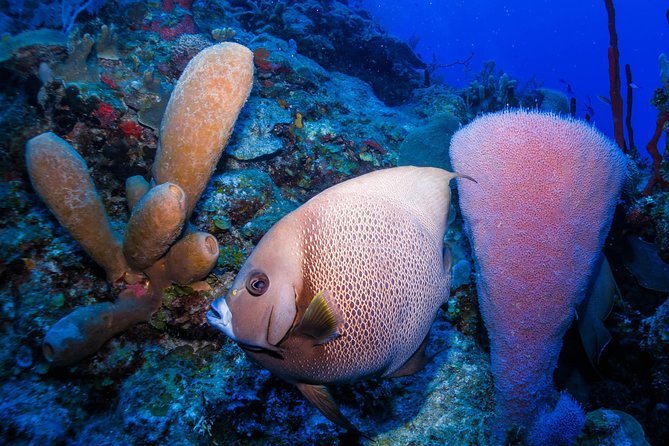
[{"x": 537, "y": 220}]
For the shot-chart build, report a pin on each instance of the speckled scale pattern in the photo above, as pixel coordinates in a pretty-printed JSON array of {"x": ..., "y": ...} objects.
[{"x": 386, "y": 275}]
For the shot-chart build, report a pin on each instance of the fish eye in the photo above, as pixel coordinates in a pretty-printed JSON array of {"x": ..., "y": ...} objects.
[{"x": 257, "y": 283}]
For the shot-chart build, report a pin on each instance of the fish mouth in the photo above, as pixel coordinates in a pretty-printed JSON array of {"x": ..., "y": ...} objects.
[{"x": 220, "y": 317}]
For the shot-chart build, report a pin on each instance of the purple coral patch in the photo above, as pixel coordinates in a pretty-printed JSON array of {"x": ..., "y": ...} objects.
[{"x": 560, "y": 426}]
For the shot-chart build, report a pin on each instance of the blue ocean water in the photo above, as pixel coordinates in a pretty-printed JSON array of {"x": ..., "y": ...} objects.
[
  {"x": 557, "y": 43},
  {"x": 153, "y": 289}
]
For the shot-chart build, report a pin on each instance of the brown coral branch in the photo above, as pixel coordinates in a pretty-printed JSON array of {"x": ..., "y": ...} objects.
[
  {"x": 614, "y": 77},
  {"x": 628, "y": 115},
  {"x": 656, "y": 177}
]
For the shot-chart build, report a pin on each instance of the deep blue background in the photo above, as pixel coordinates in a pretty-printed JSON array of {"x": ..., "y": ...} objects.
[{"x": 552, "y": 39}]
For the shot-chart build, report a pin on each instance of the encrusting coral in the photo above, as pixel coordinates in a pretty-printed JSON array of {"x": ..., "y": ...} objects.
[{"x": 158, "y": 246}]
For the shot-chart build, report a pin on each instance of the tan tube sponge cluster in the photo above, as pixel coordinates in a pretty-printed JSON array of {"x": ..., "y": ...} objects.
[{"x": 157, "y": 248}]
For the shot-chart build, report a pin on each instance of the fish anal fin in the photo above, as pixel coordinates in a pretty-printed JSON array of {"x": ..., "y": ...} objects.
[
  {"x": 322, "y": 320},
  {"x": 320, "y": 396},
  {"x": 415, "y": 363}
]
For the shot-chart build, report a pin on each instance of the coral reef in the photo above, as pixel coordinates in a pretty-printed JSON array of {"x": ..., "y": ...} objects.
[
  {"x": 656, "y": 342},
  {"x": 318, "y": 113},
  {"x": 386, "y": 63}
]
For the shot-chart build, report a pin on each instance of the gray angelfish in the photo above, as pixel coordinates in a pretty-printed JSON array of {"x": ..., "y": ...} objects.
[{"x": 346, "y": 286}]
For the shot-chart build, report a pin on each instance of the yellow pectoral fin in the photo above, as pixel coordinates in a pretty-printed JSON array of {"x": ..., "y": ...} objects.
[{"x": 322, "y": 320}]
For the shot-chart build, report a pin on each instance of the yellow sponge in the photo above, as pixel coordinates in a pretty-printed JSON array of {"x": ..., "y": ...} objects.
[{"x": 195, "y": 129}]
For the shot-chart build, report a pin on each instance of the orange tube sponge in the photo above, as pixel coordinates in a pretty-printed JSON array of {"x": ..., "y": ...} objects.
[
  {"x": 135, "y": 188},
  {"x": 83, "y": 331},
  {"x": 200, "y": 116},
  {"x": 197, "y": 124},
  {"x": 155, "y": 224},
  {"x": 192, "y": 257},
  {"x": 60, "y": 177}
]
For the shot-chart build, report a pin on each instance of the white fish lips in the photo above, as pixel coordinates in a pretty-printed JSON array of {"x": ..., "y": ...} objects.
[{"x": 220, "y": 317}]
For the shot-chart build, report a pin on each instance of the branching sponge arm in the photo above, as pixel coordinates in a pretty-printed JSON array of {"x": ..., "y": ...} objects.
[
  {"x": 200, "y": 116},
  {"x": 135, "y": 188},
  {"x": 192, "y": 257},
  {"x": 60, "y": 177},
  {"x": 83, "y": 331},
  {"x": 154, "y": 225}
]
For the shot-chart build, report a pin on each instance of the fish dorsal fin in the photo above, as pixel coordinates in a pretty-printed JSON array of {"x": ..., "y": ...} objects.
[
  {"x": 422, "y": 191},
  {"x": 321, "y": 320},
  {"x": 321, "y": 397}
]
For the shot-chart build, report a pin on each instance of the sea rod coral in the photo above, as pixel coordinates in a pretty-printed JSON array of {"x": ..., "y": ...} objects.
[
  {"x": 537, "y": 220},
  {"x": 158, "y": 246}
]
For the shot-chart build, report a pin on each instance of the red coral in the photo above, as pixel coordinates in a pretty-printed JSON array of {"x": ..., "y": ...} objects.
[
  {"x": 656, "y": 178},
  {"x": 171, "y": 22},
  {"x": 260, "y": 56},
  {"x": 614, "y": 77},
  {"x": 374, "y": 145},
  {"x": 106, "y": 115},
  {"x": 109, "y": 81},
  {"x": 131, "y": 128}
]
